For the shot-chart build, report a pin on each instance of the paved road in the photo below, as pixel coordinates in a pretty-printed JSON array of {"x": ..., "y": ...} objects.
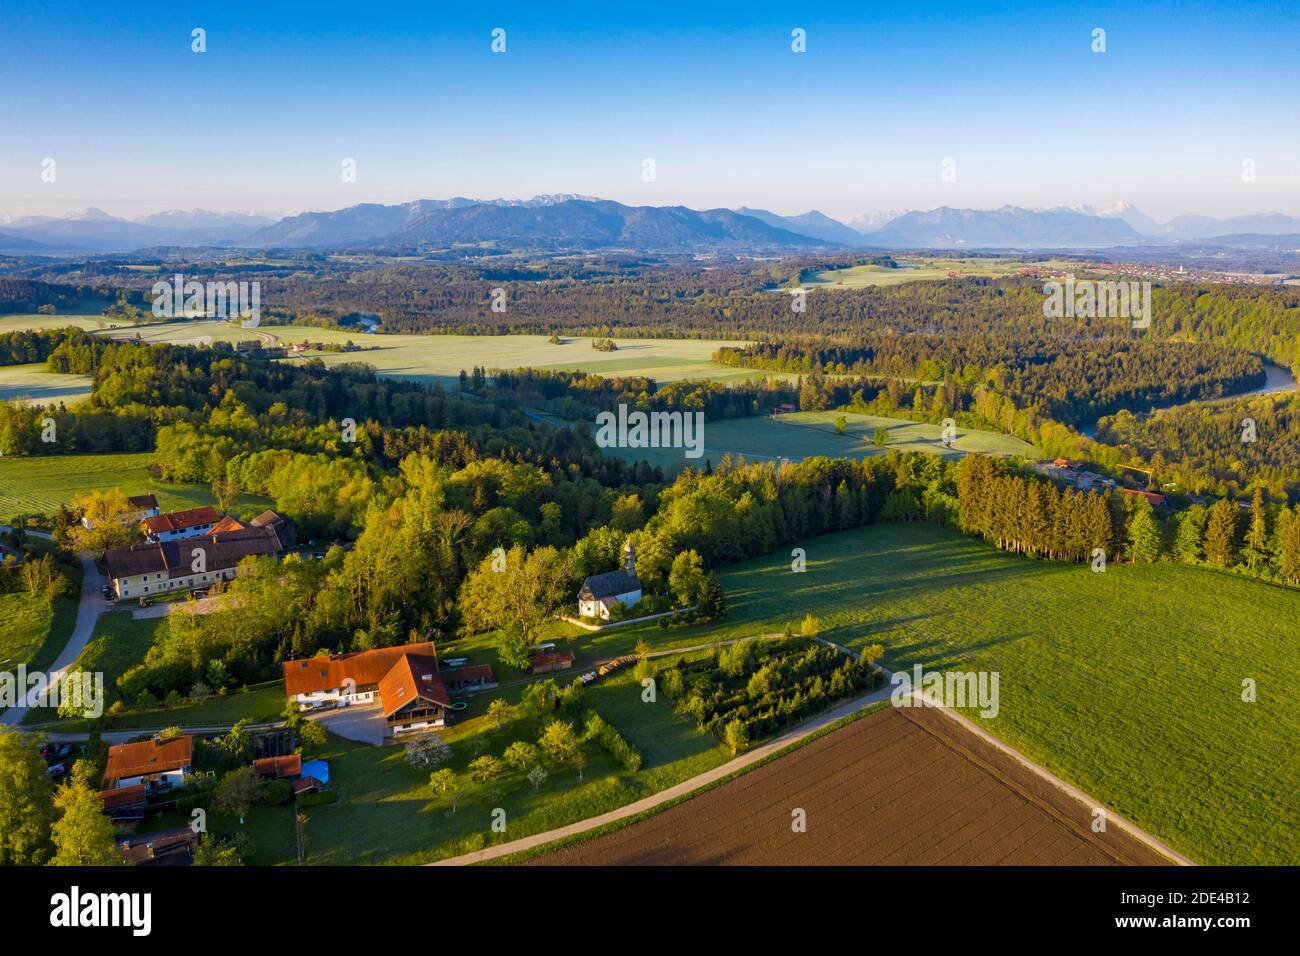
[
  {"x": 92, "y": 605},
  {"x": 123, "y": 736}
]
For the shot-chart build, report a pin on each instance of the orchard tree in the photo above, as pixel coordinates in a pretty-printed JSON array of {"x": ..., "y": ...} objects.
[
  {"x": 559, "y": 741},
  {"x": 521, "y": 755},
  {"x": 447, "y": 784}
]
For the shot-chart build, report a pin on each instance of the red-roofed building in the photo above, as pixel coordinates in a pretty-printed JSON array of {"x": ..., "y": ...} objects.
[
  {"x": 1151, "y": 496},
  {"x": 181, "y": 524},
  {"x": 344, "y": 678},
  {"x": 158, "y": 764},
  {"x": 125, "y": 806},
  {"x": 412, "y": 695},
  {"x": 405, "y": 681},
  {"x": 288, "y": 767}
]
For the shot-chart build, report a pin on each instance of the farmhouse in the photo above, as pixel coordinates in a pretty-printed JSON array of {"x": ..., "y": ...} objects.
[
  {"x": 155, "y": 763},
  {"x": 404, "y": 681},
  {"x": 169, "y": 566},
  {"x": 413, "y": 696},
  {"x": 143, "y": 507},
  {"x": 601, "y": 592},
  {"x": 181, "y": 524}
]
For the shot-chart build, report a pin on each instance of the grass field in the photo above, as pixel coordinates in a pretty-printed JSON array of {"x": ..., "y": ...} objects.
[
  {"x": 921, "y": 268},
  {"x": 118, "y": 644},
  {"x": 30, "y": 624},
  {"x": 30, "y": 384},
  {"x": 800, "y": 435},
  {"x": 387, "y": 813},
  {"x": 39, "y": 485},
  {"x": 433, "y": 358},
  {"x": 1127, "y": 684}
]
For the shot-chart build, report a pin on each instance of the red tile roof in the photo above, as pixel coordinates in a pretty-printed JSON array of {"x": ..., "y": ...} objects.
[
  {"x": 227, "y": 523},
  {"x": 148, "y": 756},
  {"x": 1151, "y": 496},
  {"x": 287, "y": 766},
  {"x": 306, "y": 785},
  {"x": 413, "y": 677},
  {"x": 144, "y": 502},
  {"x": 181, "y": 520},
  {"x": 364, "y": 667},
  {"x": 123, "y": 797}
]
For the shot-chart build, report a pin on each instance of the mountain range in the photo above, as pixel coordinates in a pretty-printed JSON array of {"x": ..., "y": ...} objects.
[{"x": 574, "y": 222}]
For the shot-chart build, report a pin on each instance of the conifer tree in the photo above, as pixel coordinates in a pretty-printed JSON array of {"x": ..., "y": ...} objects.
[{"x": 1220, "y": 532}]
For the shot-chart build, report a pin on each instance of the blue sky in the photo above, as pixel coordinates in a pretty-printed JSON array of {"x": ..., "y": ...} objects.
[{"x": 862, "y": 121}]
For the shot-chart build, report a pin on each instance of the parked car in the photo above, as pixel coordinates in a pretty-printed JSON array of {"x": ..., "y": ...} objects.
[
  {"x": 104, "y": 589},
  {"x": 57, "y": 770},
  {"x": 56, "y": 751}
]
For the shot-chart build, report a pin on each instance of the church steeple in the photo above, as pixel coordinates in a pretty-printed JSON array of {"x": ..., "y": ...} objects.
[{"x": 629, "y": 557}]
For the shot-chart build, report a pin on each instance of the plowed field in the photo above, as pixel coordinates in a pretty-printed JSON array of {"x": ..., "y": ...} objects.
[{"x": 897, "y": 787}]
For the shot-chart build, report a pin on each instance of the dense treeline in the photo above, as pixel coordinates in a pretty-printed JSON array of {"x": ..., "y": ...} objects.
[
  {"x": 1027, "y": 514},
  {"x": 26, "y": 347},
  {"x": 581, "y": 395},
  {"x": 1226, "y": 448},
  {"x": 319, "y": 441},
  {"x": 27, "y": 295},
  {"x": 1069, "y": 381},
  {"x": 422, "y": 563}
]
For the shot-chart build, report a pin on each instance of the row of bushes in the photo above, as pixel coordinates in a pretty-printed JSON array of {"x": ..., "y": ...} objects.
[
  {"x": 766, "y": 685},
  {"x": 604, "y": 733}
]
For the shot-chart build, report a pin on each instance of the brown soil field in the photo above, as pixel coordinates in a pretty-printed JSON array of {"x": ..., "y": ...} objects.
[{"x": 901, "y": 786}]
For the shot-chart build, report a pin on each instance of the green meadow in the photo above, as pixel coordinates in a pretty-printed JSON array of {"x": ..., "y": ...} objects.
[
  {"x": 387, "y": 812},
  {"x": 39, "y": 485},
  {"x": 923, "y": 268},
  {"x": 429, "y": 358},
  {"x": 1126, "y": 683},
  {"x": 799, "y": 435},
  {"x": 34, "y": 384},
  {"x": 34, "y": 628}
]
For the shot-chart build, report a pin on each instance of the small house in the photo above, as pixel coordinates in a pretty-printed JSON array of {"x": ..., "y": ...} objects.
[
  {"x": 600, "y": 592},
  {"x": 156, "y": 763}
]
